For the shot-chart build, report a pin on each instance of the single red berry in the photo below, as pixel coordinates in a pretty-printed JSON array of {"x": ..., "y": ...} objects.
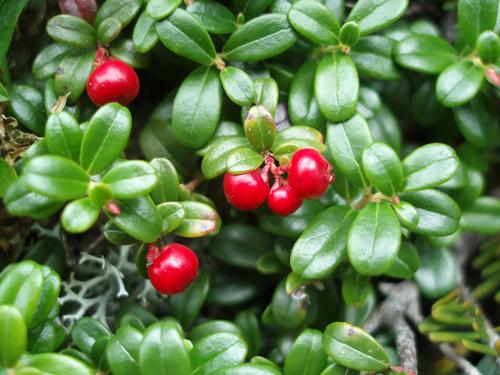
[
  {"x": 173, "y": 268},
  {"x": 245, "y": 191},
  {"x": 309, "y": 173},
  {"x": 113, "y": 81},
  {"x": 284, "y": 200}
]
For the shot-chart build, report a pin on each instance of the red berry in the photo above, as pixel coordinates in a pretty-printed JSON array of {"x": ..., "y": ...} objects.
[
  {"x": 113, "y": 81},
  {"x": 245, "y": 191},
  {"x": 172, "y": 268},
  {"x": 309, "y": 173},
  {"x": 284, "y": 200}
]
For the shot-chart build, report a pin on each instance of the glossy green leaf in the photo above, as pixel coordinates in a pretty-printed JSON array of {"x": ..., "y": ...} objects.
[
  {"x": 214, "y": 162},
  {"x": 56, "y": 177},
  {"x": 131, "y": 179},
  {"x": 144, "y": 36},
  {"x": 4, "y": 95},
  {"x": 296, "y": 137},
  {"x": 374, "y": 239},
  {"x": 210, "y": 327},
  {"x": 167, "y": 188},
  {"x": 488, "y": 47},
  {"x": 48, "y": 60},
  {"x": 10, "y": 12},
  {"x": 122, "y": 10},
  {"x": 336, "y": 87},
  {"x": 86, "y": 331},
  {"x": 249, "y": 325},
  {"x": 158, "y": 9},
  {"x": 314, "y": 21},
  {"x": 384, "y": 127},
  {"x": 105, "y": 138},
  {"x": 306, "y": 357},
  {"x": 349, "y": 34},
  {"x": 172, "y": 215},
  {"x": 346, "y": 143},
  {"x": 119, "y": 359},
  {"x": 56, "y": 364},
  {"x": 249, "y": 368},
  {"x": 374, "y": 15},
  {"x": 475, "y": 16},
  {"x": 259, "y": 39},
  {"x": 429, "y": 166},
  {"x": 260, "y": 128},
  {"x": 8, "y": 176},
  {"x": 124, "y": 50},
  {"x": 79, "y": 215},
  {"x": 243, "y": 160},
  {"x": 63, "y": 135},
  {"x": 27, "y": 106},
  {"x": 322, "y": 245},
  {"x": 238, "y": 86},
  {"x": 372, "y": 56},
  {"x": 483, "y": 216},
  {"x": 438, "y": 214},
  {"x": 72, "y": 74},
  {"x": 356, "y": 288},
  {"x": 459, "y": 83},
  {"x": 13, "y": 335},
  {"x": 72, "y": 31},
  {"x": 288, "y": 311},
  {"x": 139, "y": 218},
  {"x": 51, "y": 99},
  {"x": 407, "y": 214},
  {"x": 200, "y": 220},
  {"x": 186, "y": 36},
  {"x": 267, "y": 95},
  {"x": 407, "y": 262},
  {"x": 197, "y": 108},
  {"x": 216, "y": 18},
  {"x": 354, "y": 348},
  {"x": 252, "y": 8},
  {"x": 46, "y": 338},
  {"x": 303, "y": 107},
  {"x": 425, "y": 53},
  {"x": 116, "y": 236},
  {"x": 383, "y": 168},
  {"x": 108, "y": 30}
]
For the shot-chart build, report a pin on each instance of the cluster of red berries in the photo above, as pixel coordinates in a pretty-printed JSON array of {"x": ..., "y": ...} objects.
[
  {"x": 112, "y": 81},
  {"x": 171, "y": 269},
  {"x": 309, "y": 175}
]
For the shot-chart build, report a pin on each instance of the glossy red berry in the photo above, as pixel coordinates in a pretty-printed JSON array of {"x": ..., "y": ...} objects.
[
  {"x": 309, "y": 173},
  {"x": 245, "y": 191},
  {"x": 284, "y": 200},
  {"x": 113, "y": 81},
  {"x": 172, "y": 268}
]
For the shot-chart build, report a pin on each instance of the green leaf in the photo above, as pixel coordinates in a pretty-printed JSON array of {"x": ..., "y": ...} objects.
[
  {"x": 259, "y": 39},
  {"x": 322, "y": 245},
  {"x": 407, "y": 214},
  {"x": 476, "y": 16},
  {"x": 187, "y": 305},
  {"x": 105, "y": 138},
  {"x": 139, "y": 218},
  {"x": 108, "y": 30},
  {"x": 306, "y": 357},
  {"x": 296, "y": 137},
  {"x": 216, "y": 18},
  {"x": 384, "y": 127},
  {"x": 144, "y": 36},
  {"x": 51, "y": 99},
  {"x": 131, "y": 179},
  {"x": 217, "y": 351},
  {"x": 27, "y": 106},
  {"x": 78, "y": 216},
  {"x": 167, "y": 188},
  {"x": 214, "y": 162},
  {"x": 13, "y": 335},
  {"x": 238, "y": 86},
  {"x": 346, "y": 143},
  {"x": 10, "y": 11},
  {"x": 158, "y": 9},
  {"x": 303, "y": 107},
  {"x": 172, "y": 215},
  {"x": 197, "y": 108},
  {"x": 8, "y": 176},
  {"x": 72, "y": 74},
  {"x": 314, "y": 21},
  {"x": 243, "y": 160},
  {"x": 431, "y": 278},
  {"x": 336, "y": 87},
  {"x": 260, "y": 128},
  {"x": 383, "y": 168},
  {"x": 488, "y": 47},
  {"x": 372, "y": 56},
  {"x": 56, "y": 177},
  {"x": 354, "y": 348},
  {"x": 374, "y": 239},
  {"x": 123, "y": 10},
  {"x": 349, "y": 34},
  {"x": 249, "y": 368},
  {"x": 459, "y": 83},
  {"x": 72, "y": 31},
  {"x": 374, "y": 15},
  {"x": 124, "y": 50},
  {"x": 200, "y": 220},
  {"x": 425, "y": 53},
  {"x": 210, "y": 327},
  {"x": 119, "y": 359},
  {"x": 356, "y": 288},
  {"x": 186, "y": 36},
  {"x": 288, "y": 311},
  {"x": 478, "y": 122},
  {"x": 4, "y": 94},
  {"x": 49, "y": 58},
  {"x": 252, "y": 8},
  {"x": 483, "y": 216},
  {"x": 100, "y": 193},
  {"x": 86, "y": 331},
  {"x": 56, "y": 364},
  {"x": 249, "y": 325},
  {"x": 267, "y": 95},
  {"x": 46, "y": 337},
  {"x": 407, "y": 262},
  {"x": 429, "y": 166},
  {"x": 63, "y": 136},
  {"x": 438, "y": 214}
]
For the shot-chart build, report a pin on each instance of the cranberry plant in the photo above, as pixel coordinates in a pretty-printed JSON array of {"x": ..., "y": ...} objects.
[{"x": 298, "y": 187}]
